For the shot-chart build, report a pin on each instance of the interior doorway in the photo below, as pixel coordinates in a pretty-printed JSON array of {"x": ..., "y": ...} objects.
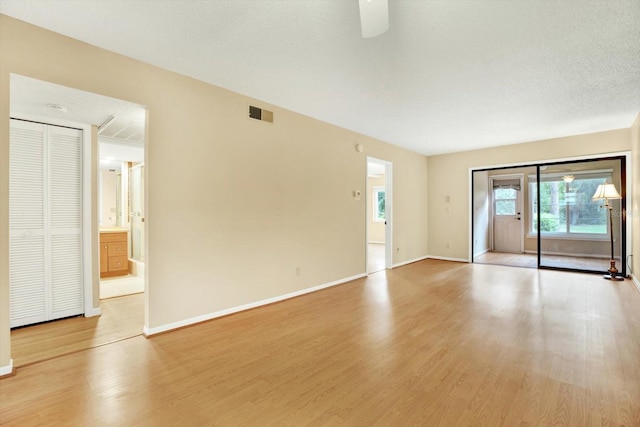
[
  {"x": 379, "y": 215},
  {"x": 43, "y": 102}
]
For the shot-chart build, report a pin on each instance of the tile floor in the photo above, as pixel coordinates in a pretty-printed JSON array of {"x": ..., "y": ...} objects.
[
  {"x": 375, "y": 257},
  {"x": 111, "y": 287}
]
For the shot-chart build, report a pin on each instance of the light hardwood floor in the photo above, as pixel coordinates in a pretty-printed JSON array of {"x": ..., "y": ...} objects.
[
  {"x": 431, "y": 343},
  {"x": 375, "y": 257},
  {"x": 121, "y": 318},
  {"x": 531, "y": 261}
]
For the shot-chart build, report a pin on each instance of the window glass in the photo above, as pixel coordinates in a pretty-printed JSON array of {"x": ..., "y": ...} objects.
[
  {"x": 505, "y": 201},
  {"x": 379, "y": 201},
  {"x": 567, "y": 207}
]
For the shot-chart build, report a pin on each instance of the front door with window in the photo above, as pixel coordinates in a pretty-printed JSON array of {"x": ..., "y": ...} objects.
[{"x": 507, "y": 218}]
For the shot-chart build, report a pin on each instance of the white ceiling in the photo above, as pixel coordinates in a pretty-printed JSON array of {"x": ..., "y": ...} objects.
[
  {"x": 447, "y": 76},
  {"x": 30, "y": 98}
]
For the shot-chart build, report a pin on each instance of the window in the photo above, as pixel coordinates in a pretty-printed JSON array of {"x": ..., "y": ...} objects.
[
  {"x": 379, "y": 200},
  {"x": 505, "y": 200},
  {"x": 566, "y": 208}
]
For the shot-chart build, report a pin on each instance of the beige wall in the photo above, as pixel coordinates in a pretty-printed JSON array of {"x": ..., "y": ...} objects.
[
  {"x": 375, "y": 229},
  {"x": 449, "y": 176},
  {"x": 635, "y": 210},
  {"x": 233, "y": 205}
]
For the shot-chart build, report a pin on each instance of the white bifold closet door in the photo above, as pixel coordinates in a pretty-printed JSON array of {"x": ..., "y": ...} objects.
[{"x": 45, "y": 222}]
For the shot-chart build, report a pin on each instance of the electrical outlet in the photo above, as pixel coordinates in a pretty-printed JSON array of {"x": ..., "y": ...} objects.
[
  {"x": 448, "y": 245},
  {"x": 297, "y": 271}
]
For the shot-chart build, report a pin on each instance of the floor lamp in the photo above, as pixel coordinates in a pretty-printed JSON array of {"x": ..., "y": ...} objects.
[{"x": 607, "y": 192}]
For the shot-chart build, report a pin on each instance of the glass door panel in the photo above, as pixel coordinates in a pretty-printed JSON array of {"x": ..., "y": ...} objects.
[{"x": 573, "y": 228}]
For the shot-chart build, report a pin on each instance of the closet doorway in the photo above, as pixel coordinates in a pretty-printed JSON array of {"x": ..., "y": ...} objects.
[
  {"x": 562, "y": 225},
  {"x": 97, "y": 322}
]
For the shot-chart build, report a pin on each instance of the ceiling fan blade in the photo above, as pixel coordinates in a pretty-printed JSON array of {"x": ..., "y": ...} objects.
[{"x": 374, "y": 17}]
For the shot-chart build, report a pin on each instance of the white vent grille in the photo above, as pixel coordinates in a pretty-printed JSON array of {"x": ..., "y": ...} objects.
[{"x": 122, "y": 129}]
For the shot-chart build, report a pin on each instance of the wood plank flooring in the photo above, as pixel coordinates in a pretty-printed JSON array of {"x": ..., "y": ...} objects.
[
  {"x": 531, "y": 261},
  {"x": 121, "y": 318},
  {"x": 432, "y": 343}
]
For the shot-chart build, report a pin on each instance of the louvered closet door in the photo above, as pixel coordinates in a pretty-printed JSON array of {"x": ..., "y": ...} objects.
[
  {"x": 26, "y": 223},
  {"x": 45, "y": 251},
  {"x": 65, "y": 221}
]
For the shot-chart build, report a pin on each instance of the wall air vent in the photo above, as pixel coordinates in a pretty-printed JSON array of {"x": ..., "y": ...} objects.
[{"x": 260, "y": 114}]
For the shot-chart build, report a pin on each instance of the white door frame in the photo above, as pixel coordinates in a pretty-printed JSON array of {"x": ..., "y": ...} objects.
[
  {"x": 87, "y": 214},
  {"x": 388, "y": 230},
  {"x": 520, "y": 207}
]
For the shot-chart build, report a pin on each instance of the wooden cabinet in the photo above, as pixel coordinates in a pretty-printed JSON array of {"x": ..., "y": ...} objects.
[{"x": 113, "y": 254}]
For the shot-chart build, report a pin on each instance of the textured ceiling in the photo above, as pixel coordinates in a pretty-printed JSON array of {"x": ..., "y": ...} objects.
[
  {"x": 32, "y": 97},
  {"x": 447, "y": 76}
]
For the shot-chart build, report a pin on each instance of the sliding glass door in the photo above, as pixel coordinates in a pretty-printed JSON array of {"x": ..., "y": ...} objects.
[
  {"x": 562, "y": 225},
  {"x": 573, "y": 227}
]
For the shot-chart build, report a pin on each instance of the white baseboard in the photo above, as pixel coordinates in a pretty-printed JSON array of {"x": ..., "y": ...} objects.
[
  {"x": 376, "y": 242},
  {"x": 94, "y": 311},
  {"x": 481, "y": 252},
  {"x": 571, "y": 254},
  {"x": 203, "y": 318},
  {"x": 635, "y": 281},
  {"x": 411, "y": 261},
  {"x": 444, "y": 258},
  {"x": 7, "y": 370}
]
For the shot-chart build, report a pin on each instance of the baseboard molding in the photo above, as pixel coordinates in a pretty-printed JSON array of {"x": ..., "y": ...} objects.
[
  {"x": 481, "y": 252},
  {"x": 94, "y": 311},
  {"x": 635, "y": 281},
  {"x": 6, "y": 371},
  {"x": 203, "y": 318},
  {"x": 444, "y": 258},
  {"x": 376, "y": 242},
  {"x": 411, "y": 261},
  {"x": 572, "y": 254}
]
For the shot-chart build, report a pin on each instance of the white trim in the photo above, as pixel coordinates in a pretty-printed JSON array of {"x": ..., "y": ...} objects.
[
  {"x": 411, "y": 261},
  {"x": 6, "y": 370},
  {"x": 203, "y": 318},
  {"x": 87, "y": 237},
  {"x": 92, "y": 312},
  {"x": 635, "y": 281},
  {"x": 446, "y": 258},
  {"x": 481, "y": 252},
  {"x": 605, "y": 256},
  {"x": 374, "y": 242}
]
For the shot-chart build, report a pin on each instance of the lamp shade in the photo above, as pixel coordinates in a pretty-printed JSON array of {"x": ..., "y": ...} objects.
[{"x": 606, "y": 191}]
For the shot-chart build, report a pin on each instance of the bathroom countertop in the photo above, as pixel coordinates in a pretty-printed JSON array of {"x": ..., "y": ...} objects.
[{"x": 113, "y": 230}]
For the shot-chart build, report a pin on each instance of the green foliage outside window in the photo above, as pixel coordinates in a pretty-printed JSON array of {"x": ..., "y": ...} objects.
[{"x": 568, "y": 208}]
